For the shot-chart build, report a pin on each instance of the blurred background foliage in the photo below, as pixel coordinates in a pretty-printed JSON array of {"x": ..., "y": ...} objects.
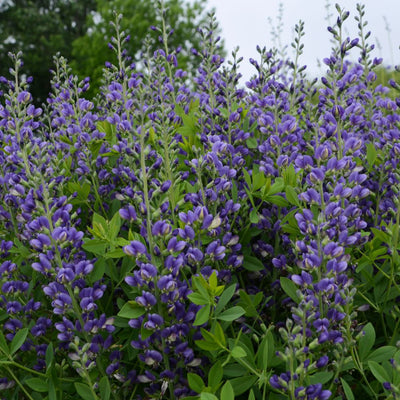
[{"x": 80, "y": 30}]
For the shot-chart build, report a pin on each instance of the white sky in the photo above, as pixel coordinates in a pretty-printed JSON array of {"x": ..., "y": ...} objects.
[{"x": 244, "y": 23}]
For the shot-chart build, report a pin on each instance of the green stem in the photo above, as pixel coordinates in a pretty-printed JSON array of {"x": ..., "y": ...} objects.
[{"x": 28, "y": 396}]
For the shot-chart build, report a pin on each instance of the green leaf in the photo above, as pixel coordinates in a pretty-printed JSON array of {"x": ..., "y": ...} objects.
[
  {"x": 289, "y": 176},
  {"x": 231, "y": 314},
  {"x": 242, "y": 384},
  {"x": 105, "y": 389},
  {"x": 52, "y": 390},
  {"x": 95, "y": 246},
  {"x": 251, "y": 143},
  {"x": 205, "y": 345},
  {"x": 289, "y": 287},
  {"x": 238, "y": 352},
  {"x": 277, "y": 187},
  {"x": 252, "y": 264},
  {"x": 215, "y": 374},
  {"x": 114, "y": 226},
  {"x": 3, "y": 344},
  {"x": 251, "y": 395},
  {"x": 259, "y": 180},
  {"x": 291, "y": 196},
  {"x": 98, "y": 271},
  {"x": 131, "y": 310},
  {"x": 371, "y": 155},
  {"x": 384, "y": 353},
  {"x": 49, "y": 357},
  {"x": 264, "y": 353},
  {"x": 202, "y": 315},
  {"x": 321, "y": 377},
  {"x": 247, "y": 177},
  {"x": 38, "y": 385},
  {"x": 117, "y": 253},
  {"x": 277, "y": 200},
  {"x": 18, "y": 340},
  {"x": 195, "y": 382},
  {"x": 208, "y": 396},
  {"x": 224, "y": 298},
  {"x": 254, "y": 218},
  {"x": 366, "y": 341},
  {"x": 347, "y": 390},
  {"x": 378, "y": 371},
  {"x": 84, "y": 391},
  {"x": 197, "y": 298},
  {"x": 227, "y": 392},
  {"x": 219, "y": 334}
]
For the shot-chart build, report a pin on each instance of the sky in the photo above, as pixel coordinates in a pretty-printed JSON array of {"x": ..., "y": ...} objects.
[{"x": 247, "y": 23}]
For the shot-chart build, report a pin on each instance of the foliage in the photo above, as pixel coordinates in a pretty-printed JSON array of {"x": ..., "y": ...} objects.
[
  {"x": 90, "y": 52},
  {"x": 40, "y": 29},
  {"x": 191, "y": 239}
]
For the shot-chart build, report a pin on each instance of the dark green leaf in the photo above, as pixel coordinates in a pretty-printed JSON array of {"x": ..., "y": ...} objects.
[
  {"x": 131, "y": 310},
  {"x": 247, "y": 303},
  {"x": 378, "y": 371},
  {"x": 215, "y": 374},
  {"x": 38, "y": 385},
  {"x": 49, "y": 357},
  {"x": 289, "y": 287},
  {"x": 252, "y": 264},
  {"x": 384, "y": 353},
  {"x": 18, "y": 340},
  {"x": 3, "y": 344},
  {"x": 52, "y": 390},
  {"x": 98, "y": 270},
  {"x": 321, "y": 377},
  {"x": 242, "y": 384},
  {"x": 105, "y": 389},
  {"x": 366, "y": 341},
  {"x": 347, "y": 390},
  {"x": 84, "y": 391}
]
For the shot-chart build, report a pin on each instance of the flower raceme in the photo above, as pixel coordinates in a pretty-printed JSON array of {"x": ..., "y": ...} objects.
[{"x": 180, "y": 236}]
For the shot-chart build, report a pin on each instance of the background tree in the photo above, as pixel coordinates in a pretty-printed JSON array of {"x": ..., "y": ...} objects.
[
  {"x": 80, "y": 31},
  {"x": 90, "y": 52},
  {"x": 40, "y": 29}
]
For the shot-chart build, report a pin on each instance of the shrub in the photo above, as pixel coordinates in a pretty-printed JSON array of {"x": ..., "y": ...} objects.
[{"x": 195, "y": 239}]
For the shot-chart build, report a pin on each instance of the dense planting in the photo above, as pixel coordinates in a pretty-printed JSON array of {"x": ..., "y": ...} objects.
[{"x": 193, "y": 239}]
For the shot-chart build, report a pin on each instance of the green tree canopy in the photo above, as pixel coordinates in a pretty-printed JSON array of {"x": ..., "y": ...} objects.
[
  {"x": 40, "y": 29},
  {"x": 80, "y": 30},
  {"x": 90, "y": 51}
]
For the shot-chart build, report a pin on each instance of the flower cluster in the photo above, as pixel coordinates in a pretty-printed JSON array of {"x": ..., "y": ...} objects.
[{"x": 178, "y": 238}]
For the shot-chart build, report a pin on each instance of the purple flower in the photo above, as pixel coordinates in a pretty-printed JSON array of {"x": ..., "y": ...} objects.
[{"x": 135, "y": 249}]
